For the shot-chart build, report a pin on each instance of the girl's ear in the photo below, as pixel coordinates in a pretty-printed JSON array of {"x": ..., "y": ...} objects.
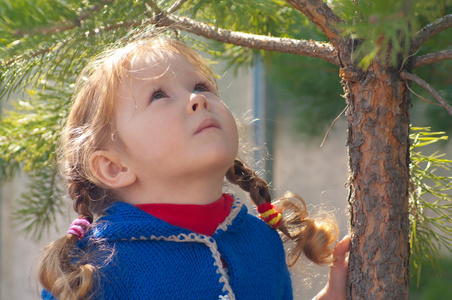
[{"x": 109, "y": 169}]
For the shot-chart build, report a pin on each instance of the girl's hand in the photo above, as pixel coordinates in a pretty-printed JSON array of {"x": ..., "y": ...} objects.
[{"x": 337, "y": 277}]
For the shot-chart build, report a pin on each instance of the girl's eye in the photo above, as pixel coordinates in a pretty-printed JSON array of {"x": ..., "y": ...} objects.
[
  {"x": 201, "y": 87},
  {"x": 158, "y": 94}
]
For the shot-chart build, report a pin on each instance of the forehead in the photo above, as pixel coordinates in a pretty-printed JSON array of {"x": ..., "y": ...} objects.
[{"x": 153, "y": 64}]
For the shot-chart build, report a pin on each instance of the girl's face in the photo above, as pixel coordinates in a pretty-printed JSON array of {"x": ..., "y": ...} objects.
[{"x": 171, "y": 123}]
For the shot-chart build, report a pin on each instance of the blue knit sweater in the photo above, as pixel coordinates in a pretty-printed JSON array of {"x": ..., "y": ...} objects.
[{"x": 156, "y": 260}]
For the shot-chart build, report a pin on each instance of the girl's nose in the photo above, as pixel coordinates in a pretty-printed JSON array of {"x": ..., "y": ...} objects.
[{"x": 197, "y": 102}]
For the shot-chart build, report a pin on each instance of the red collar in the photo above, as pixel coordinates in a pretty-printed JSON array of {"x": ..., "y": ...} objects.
[{"x": 203, "y": 219}]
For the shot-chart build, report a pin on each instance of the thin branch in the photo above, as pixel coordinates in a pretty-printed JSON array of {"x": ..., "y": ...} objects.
[
  {"x": 422, "y": 98},
  {"x": 30, "y": 55},
  {"x": 331, "y": 126},
  {"x": 411, "y": 77},
  {"x": 176, "y": 6},
  {"x": 310, "y": 48},
  {"x": 322, "y": 16},
  {"x": 430, "y": 30},
  {"x": 432, "y": 58}
]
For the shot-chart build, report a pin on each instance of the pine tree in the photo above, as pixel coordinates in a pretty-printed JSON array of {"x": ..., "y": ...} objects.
[{"x": 375, "y": 44}]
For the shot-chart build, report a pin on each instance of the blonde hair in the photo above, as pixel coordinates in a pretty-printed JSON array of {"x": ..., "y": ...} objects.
[{"x": 70, "y": 276}]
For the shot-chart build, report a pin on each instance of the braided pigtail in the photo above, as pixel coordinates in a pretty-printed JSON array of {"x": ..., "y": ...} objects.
[
  {"x": 313, "y": 237},
  {"x": 62, "y": 272}
]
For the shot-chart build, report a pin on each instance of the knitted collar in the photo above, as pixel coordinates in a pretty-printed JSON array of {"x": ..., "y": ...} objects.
[
  {"x": 202, "y": 219},
  {"x": 123, "y": 221}
]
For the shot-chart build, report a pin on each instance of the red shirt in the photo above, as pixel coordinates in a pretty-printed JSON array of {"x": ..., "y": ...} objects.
[{"x": 203, "y": 219}]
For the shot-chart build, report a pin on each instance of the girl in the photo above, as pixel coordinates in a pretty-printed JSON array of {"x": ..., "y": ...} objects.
[{"x": 147, "y": 145}]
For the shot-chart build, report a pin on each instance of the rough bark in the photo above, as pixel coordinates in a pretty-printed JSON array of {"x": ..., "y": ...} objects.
[{"x": 378, "y": 152}]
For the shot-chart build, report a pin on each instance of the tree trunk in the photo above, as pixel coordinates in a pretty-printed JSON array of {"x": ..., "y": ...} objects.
[{"x": 378, "y": 153}]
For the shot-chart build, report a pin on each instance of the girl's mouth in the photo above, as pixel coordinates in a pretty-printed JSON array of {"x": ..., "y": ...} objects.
[{"x": 209, "y": 123}]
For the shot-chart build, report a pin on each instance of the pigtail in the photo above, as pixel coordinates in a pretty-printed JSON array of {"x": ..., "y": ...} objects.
[
  {"x": 248, "y": 181},
  {"x": 313, "y": 237},
  {"x": 61, "y": 271}
]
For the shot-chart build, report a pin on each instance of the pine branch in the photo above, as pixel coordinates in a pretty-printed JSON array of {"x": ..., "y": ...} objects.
[
  {"x": 39, "y": 206},
  {"x": 29, "y": 55},
  {"x": 322, "y": 16},
  {"x": 429, "y": 31},
  {"x": 176, "y": 6},
  {"x": 411, "y": 77},
  {"x": 62, "y": 27},
  {"x": 432, "y": 58},
  {"x": 311, "y": 48}
]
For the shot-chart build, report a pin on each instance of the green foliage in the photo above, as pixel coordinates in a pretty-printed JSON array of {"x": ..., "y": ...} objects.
[
  {"x": 29, "y": 133},
  {"x": 268, "y": 18},
  {"x": 384, "y": 29},
  {"x": 430, "y": 200},
  {"x": 259, "y": 17}
]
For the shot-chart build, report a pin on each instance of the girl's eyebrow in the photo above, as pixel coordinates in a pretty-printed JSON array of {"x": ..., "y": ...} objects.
[{"x": 145, "y": 83}]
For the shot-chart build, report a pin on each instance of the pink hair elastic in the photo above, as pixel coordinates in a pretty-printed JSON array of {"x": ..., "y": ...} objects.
[{"x": 79, "y": 228}]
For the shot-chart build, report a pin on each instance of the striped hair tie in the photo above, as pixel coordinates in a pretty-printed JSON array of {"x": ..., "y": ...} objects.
[
  {"x": 79, "y": 227},
  {"x": 269, "y": 214}
]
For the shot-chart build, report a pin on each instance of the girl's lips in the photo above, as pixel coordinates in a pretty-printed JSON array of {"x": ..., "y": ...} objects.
[{"x": 206, "y": 124}]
